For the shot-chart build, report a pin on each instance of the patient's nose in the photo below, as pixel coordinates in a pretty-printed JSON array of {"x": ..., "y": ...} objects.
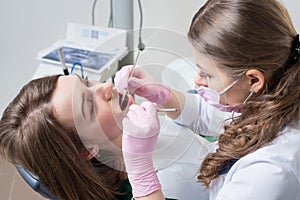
[{"x": 105, "y": 90}]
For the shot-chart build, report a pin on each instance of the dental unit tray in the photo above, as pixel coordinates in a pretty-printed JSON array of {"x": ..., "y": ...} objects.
[
  {"x": 91, "y": 61},
  {"x": 98, "y": 49}
]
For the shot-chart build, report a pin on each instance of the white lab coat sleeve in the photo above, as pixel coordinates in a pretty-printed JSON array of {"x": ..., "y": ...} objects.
[
  {"x": 260, "y": 180},
  {"x": 190, "y": 112},
  {"x": 201, "y": 117}
]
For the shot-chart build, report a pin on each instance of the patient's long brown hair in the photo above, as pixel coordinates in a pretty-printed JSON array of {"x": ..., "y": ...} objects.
[
  {"x": 250, "y": 34},
  {"x": 31, "y": 135}
]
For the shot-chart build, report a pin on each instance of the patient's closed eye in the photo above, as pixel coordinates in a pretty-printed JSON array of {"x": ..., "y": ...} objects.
[
  {"x": 91, "y": 106},
  {"x": 87, "y": 83},
  {"x": 87, "y": 105}
]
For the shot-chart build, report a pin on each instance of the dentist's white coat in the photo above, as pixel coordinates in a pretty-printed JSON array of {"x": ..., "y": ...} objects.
[
  {"x": 271, "y": 172},
  {"x": 179, "y": 152},
  {"x": 177, "y": 158}
]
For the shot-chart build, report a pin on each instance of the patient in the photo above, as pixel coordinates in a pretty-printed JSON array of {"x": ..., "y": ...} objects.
[
  {"x": 35, "y": 134},
  {"x": 68, "y": 131}
]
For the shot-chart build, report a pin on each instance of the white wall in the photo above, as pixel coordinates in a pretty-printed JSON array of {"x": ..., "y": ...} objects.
[
  {"x": 28, "y": 27},
  {"x": 293, "y": 7},
  {"x": 31, "y": 25}
]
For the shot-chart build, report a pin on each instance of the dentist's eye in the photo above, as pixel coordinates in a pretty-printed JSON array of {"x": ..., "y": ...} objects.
[{"x": 203, "y": 75}]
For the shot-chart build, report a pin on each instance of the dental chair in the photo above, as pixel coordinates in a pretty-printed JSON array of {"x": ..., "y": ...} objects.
[{"x": 34, "y": 182}]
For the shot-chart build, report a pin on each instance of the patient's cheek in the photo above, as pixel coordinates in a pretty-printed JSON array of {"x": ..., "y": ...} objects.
[{"x": 111, "y": 126}]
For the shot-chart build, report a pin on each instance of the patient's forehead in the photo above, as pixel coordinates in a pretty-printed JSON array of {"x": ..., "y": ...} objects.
[{"x": 62, "y": 98}]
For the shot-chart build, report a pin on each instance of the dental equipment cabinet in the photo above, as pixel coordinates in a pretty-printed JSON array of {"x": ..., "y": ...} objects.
[{"x": 92, "y": 50}]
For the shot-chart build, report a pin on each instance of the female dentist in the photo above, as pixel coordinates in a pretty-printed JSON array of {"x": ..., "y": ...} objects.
[{"x": 248, "y": 54}]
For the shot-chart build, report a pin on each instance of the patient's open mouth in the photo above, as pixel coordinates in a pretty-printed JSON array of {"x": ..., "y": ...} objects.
[{"x": 123, "y": 105}]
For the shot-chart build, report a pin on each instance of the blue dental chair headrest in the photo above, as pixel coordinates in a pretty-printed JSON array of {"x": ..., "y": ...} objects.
[{"x": 34, "y": 183}]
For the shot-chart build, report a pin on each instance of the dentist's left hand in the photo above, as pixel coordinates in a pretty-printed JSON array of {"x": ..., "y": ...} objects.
[{"x": 140, "y": 133}]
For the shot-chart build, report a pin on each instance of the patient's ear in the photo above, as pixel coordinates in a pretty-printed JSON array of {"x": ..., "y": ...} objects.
[{"x": 93, "y": 150}]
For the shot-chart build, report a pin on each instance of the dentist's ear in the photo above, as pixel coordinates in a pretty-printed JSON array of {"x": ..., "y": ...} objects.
[
  {"x": 93, "y": 150},
  {"x": 256, "y": 80}
]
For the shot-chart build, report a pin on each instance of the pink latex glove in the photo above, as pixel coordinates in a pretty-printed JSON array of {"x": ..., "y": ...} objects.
[
  {"x": 142, "y": 84},
  {"x": 140, "y": 133}
]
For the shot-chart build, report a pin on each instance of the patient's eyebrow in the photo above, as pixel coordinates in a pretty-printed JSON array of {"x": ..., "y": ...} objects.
[
  {"x": 82, "y": 105},
  {"x": 82, "y": 97},
  {"x": 81, "y": 79}
]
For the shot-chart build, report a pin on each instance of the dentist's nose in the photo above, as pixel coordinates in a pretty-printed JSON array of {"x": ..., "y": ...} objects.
[
  {"x": 200, "y": 81},
  {"x": 104, "y": 90}
]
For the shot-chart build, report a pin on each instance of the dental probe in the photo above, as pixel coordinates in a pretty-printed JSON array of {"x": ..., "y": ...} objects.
[
  {"x": 193, "y": 91},
  {"x": 130, "y": 75},
  {"x": 166, "y": 109}
]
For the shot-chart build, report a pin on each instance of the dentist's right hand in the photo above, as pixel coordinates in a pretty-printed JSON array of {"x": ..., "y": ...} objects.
[
  {"x": 140, "y": 133},
  {"x": 142, "y": 84}
]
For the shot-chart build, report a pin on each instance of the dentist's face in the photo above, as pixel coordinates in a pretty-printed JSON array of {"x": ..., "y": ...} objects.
[
  {"x": 92, "y": 108},
  {"x": 211, "y": 76}
]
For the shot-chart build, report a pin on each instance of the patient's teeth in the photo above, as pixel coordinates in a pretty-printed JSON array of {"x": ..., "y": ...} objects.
[{"x": 125, "y": 102}]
